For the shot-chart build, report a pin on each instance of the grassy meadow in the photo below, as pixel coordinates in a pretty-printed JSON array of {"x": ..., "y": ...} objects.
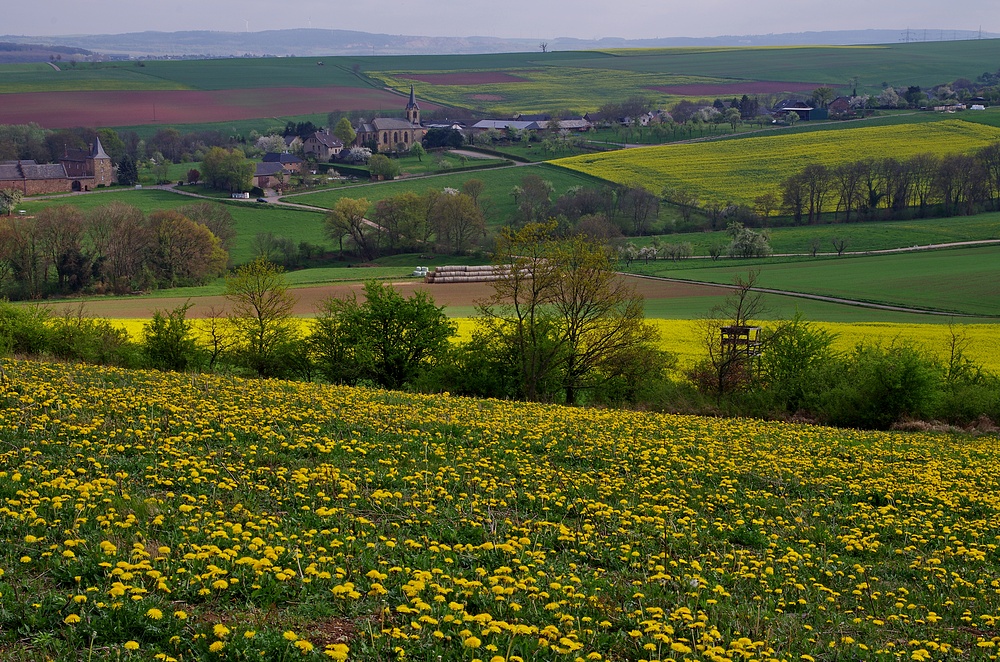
[
  {"x": 959, "y": 281},
  {"x": 170, "y": 516},
  {"x": 871, "y": 236},
  {"x": 497, "y": 199},
  {"x": 737, "y": 171}
]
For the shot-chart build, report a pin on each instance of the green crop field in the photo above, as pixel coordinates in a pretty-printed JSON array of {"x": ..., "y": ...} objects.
[
  {"x": 874, "y": 236},
  {"x": 31, "y": 78},
  {"x": 925, "y": 64},
  {"x": 497, "y": 198},
  {"x": 155, "y": 515},
  {"x": 956, "y": 280},
  {"x": 736, "y": 171}
]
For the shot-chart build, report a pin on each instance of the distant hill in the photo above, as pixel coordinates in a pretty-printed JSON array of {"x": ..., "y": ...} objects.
[
  {"x": 13, "y": 52},
  {"x": 315, "y": 42}
]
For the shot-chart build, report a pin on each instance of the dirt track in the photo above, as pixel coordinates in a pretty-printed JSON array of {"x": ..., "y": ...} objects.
[{"x": 451, "y": 295}]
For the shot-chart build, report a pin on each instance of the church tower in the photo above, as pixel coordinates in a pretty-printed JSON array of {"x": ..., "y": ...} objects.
[{"x": 412, "y": 109}]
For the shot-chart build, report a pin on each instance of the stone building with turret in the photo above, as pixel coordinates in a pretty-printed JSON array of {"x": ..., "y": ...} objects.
[
  {"x": 390, "y": 134},
  {"x": 77, "y": 170},
  {"x": 88, "y": 168}
]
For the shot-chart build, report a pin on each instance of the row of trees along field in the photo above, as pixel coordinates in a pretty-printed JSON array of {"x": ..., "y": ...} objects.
[
  {"x": 113, "y": 248},
  {"x": 889, "y": 188},
  {"x": 560, "y": 327}
]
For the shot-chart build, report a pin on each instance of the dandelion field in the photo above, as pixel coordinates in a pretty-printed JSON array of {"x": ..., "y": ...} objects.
[{"x": 157, "y": 516}]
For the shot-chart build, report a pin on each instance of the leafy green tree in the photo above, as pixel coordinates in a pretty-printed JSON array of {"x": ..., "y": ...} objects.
[
  {"x": 348, "y": 218},
  {"x": 381, "y": 166},
  {"x": 560, "y": 309},
  {"x": 227, "y": 170},
  {"x": 113, "y": 145},
  {"x": 168, "y": 341},
  {"x": 260, "y": 315},
  {"x": 418, "y": 151},
  {"x": 822, "y": 96},
  {"x": 387, "y": 339},
  {"x": 457, "y": 221},
  {"x": 345, "y": 132}
]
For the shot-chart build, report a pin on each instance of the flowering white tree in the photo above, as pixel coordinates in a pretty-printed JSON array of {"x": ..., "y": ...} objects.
[
  {"x": 359, "y": 154},
  {"x": 271, "y": 143}
]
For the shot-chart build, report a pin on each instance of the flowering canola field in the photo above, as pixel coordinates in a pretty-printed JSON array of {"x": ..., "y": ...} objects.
[
  {"x": 738, "y": 171},
  {"x": 179, "y": 517}
]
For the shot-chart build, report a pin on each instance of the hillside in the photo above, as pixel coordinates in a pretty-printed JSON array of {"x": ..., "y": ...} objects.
[
  {"x": 320, "y": 42},
  {"x": 191, "y": 516}
]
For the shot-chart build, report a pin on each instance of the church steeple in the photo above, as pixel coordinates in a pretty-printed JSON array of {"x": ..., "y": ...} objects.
[{"x": 412, "y": 109}]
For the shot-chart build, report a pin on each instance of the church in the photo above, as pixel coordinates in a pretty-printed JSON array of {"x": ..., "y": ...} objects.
[{"x": 390, "y": 134}]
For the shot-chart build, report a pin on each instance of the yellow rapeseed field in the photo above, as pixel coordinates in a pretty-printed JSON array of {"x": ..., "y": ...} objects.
[
  {"x": 179, "y": 517},
  {"x": 685, "y": 338},
  {"x": 738, "y": 171}
]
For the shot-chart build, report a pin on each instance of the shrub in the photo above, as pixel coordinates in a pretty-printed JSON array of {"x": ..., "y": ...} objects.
[
  {"x": 168, "y": 340},
  {"x": 23, "y": 330},
  {"x": 876, "y": 386},
  {"x": 74, "y": 337}
]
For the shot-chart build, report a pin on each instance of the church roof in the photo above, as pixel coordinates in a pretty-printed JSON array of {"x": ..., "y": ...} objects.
[
  {"x": 413, "y": 100},
  {"x": 393, "y": 124}
]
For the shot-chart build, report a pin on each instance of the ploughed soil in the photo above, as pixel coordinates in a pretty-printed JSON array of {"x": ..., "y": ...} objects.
[
  {"x": 729, "y": 89},
  {"x": 308, "y": 298},
  {"x": 98, "y": 108},
  {"x": 467, "y": 78}
]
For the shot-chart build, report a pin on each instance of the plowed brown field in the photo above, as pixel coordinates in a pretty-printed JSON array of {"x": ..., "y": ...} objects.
[
  {"x": 57, "y": 110},
  {"x": 461, "y": 295}
]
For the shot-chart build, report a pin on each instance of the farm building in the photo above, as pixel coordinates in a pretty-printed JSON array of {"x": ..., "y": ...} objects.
[
  {"x": 78, "y": 170},
  {"x": 269, "y": 174},
  {"x": 289, "y": 162},
  {"x": 800, "y": 108}
]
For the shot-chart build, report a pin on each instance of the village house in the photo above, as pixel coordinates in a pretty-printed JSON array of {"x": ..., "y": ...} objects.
[{"x": 323, "y": 145}]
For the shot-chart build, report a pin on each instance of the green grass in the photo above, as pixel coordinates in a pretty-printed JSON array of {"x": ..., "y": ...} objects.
[
  {"x": 497, "y": 196},
  {"x": 956, "y": 280},
  {"x": 87, "y": 77},
  {"x": 874, "y": 236},
  {"x": 925, "y": 64}
]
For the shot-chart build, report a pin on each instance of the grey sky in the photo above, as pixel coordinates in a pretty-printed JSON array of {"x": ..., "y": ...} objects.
[{"x": 545, "y": 19}]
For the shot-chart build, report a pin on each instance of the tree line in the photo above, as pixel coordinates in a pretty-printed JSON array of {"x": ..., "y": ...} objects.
[
  {"x": 560, "y": 327},
  {"x": 889, "y": 188},
  {"x": 113, "y": 248}
]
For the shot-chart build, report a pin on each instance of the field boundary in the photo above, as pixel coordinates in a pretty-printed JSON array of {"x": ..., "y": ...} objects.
[{"x": 821, "y": 297}]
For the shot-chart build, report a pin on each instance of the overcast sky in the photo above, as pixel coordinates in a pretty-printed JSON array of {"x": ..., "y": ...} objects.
[{"x": 586, "y": 19}]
